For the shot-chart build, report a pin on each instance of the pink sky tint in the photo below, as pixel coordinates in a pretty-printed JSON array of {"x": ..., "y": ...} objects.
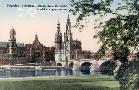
[
  {"x": 29, "y": 21},
  {"x": 46, "y": 29}
]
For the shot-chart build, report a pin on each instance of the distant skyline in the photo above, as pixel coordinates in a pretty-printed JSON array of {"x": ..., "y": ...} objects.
[{"x": 29, "y": 21}]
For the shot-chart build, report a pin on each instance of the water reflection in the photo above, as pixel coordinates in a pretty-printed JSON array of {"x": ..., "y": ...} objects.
[{"x": 42, "y": 72}]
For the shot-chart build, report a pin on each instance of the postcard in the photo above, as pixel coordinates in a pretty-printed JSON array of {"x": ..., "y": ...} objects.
[{"x": 69, "y": 45}]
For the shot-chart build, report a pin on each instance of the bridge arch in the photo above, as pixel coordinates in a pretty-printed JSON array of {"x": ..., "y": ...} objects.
[
  {"x": 59, "y": 64},
  {"x": 85, "y": 67},
  {"x": 71, "y": 65},
  {"x": 107, "y": 67}
]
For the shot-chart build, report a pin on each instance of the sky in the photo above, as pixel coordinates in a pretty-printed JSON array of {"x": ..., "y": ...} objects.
[{"x": 28, "y": 21}]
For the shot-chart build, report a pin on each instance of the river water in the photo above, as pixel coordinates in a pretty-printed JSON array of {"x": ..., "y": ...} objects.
[{"x": 42, "y": 72}]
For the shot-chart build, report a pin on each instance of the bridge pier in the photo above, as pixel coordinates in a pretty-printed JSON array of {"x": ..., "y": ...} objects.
[
  {"x": 76, "y": 65},
  {"x": 94, "y": 66}
]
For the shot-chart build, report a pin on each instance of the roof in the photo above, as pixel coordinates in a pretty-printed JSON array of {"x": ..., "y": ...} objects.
[
  {"x": 4, "y": 44},
  {"x": 36, "y": 42}
]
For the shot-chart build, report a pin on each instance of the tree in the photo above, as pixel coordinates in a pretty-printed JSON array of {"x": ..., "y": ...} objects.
[{"x": 119, "y": 33}]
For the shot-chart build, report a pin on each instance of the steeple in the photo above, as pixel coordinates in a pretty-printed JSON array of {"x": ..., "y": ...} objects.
[
  {"x": 36, "y": 37},
  {"x": 68, "y": 19},
  {"x": 58, "y": 43},
  {"x": 12, "y": 42},
  {"x": 58, "y": 35},
  {"x": 68, "y": 26},
  {"x": 67, "y": 41},
  {"x": 58, "y": 26},
  {"x": 68, "y": 34},
  {"x": 12, "y": 34}
]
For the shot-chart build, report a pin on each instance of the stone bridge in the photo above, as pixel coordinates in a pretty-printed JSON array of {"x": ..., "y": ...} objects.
[{"x": 92, "y": 64}]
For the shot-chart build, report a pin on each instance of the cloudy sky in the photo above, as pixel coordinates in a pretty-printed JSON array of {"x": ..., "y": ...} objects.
[{"x": 29, "y": 21}]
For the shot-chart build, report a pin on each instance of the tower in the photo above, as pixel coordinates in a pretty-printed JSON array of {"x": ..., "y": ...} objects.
[
  {"x": 68, "y": 40},
  {"x": 58, "y": 44},
  {"x": 12, "y": 42}
]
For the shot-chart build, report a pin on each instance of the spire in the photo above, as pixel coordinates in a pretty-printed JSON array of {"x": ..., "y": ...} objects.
[
  {"x": 68, "y": 26},
  {"x": 36, "y": 37},
  {"x": 12, "y": 41},
  {"x": 12, "y": 29},
  {"x": 58, "y": 26},
  {"x": 68, "y": 19},
  {"x": 58, "y": 23},
  {"x": 12, "y": 34}
]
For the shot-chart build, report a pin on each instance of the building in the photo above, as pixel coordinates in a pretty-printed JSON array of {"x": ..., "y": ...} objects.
[
  {"x": 38, "y": 53},
  {"x": 65, "y": 50},
  {"x": 16, "y": 53}
]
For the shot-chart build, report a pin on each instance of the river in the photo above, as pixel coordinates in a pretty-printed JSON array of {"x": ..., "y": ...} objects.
[{"x": 43, "y": 72}]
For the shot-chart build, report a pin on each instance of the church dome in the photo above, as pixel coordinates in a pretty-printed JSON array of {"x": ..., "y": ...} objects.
[{"x": 36, "y": 42}]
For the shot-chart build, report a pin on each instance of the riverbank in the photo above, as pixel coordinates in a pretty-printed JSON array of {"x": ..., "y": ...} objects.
[{"x": 60, "y": 83}]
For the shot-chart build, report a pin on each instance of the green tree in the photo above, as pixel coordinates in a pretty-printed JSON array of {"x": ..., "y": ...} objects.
[{"x": 119, "y": 33}]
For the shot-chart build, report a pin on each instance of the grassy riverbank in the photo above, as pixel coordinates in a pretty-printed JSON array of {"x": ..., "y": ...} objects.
[{"x": 61, "y": 83}]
